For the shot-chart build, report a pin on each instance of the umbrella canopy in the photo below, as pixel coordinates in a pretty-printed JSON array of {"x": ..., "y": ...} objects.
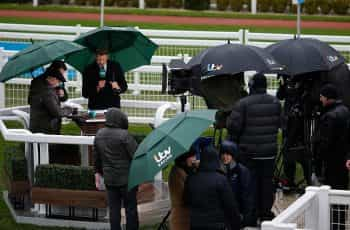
[
  {"x": 305, "y": 55},
  {"x": 127, "y": 46},
  {"x": 37, "y": 55},
  {"x": 168, "y": 141},
  {"x": 230, "y": 59}
]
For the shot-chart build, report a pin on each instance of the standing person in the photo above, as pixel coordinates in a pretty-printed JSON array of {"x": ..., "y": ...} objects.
[
  {"x": 334, "y": 147},
  {"x": 253, "y": 124},
  {"x": 45, "y": 106},
  {"x": 334, "y": 137},
  {"x": 114, "y": 148},
  {"x": 209, "y": 196},
  {"x": 103, "y": 82},
  {"x": 239, "y": 178},
  {"x": 62, "y": 68},
  {"x": 180, "y": 216}
]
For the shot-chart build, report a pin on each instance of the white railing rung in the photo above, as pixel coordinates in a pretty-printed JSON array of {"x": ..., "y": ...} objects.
[
  {"x": 189, "y": 42},
  {"x": 296, "y": 208},
  {"x": 36, "y": 36}
]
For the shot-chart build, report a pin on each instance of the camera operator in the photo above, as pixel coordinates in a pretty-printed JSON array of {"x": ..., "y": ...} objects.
[
  {"x": 293, "y": 92},
  {"x": 103, "y": 82},
  {"x": 334, "y": 137},
  {"x": 334, "y": 146}
]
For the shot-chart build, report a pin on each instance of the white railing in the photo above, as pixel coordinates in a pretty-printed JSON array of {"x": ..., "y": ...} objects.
[
  {"x": 144, "y": 82},
  {"x": 314, "y": 211}
]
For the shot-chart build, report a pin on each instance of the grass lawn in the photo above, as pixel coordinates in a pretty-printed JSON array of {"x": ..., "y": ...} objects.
[
  {"x": 175, "y": 12},
  {"x": 328, "y": 31},
  {"x": 215, "y": 14}
]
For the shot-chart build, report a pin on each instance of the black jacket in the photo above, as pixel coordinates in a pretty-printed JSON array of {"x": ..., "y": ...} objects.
[
  {"x": 209, "y": 195},
  {"x": 254, "y": 123},
  {"x": 114, "y": 148},
  {"x": 240, "y": 180},
  {"x": 45, "y": 110},
  {"x": 334, "y": 134},
  {"x": 106, "y": 97}
]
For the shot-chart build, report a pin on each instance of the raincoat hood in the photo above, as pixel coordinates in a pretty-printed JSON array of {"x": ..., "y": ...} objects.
[
  {"x": 209, "y": 160},
  {"x": 115, "y": 118}
]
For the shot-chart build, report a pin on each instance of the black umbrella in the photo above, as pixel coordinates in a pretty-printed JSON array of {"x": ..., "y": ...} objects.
[
  {"x": 230, "y": 59},
  {"x": 305, "y": 55}
]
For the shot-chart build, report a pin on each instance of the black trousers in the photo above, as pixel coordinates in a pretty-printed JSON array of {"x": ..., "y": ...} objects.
[
  {"x": 262, "y": 185},
  {"x": 117, "y": 196}
]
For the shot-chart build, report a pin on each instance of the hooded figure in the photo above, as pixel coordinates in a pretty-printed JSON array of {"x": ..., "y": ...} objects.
[
  {"x": 114, "y": 148},
  {"x": 209, "y": 196},
  {"x": 180, "y": 217},
  {"x": 239, "y": 179}
]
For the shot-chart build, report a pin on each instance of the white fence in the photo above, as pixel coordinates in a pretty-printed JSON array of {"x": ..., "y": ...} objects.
[
  {"x": 144, "y": 82},
  {"x": 320, "y": 208}
]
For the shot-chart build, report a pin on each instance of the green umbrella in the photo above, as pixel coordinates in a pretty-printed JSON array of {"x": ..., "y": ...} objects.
[
  {"x": 127, "y": 46},
  {"x": 168, "y": 141},
  {"x": 37, "y": 55}
]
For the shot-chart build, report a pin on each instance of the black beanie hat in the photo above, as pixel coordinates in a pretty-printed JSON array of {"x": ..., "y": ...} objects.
[
  {"x": 329, "y": 91},
  {"x": 258, "y": 81}
]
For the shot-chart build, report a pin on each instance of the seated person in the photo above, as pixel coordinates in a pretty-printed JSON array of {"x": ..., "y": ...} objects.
[{"x": 239, "y": 179}]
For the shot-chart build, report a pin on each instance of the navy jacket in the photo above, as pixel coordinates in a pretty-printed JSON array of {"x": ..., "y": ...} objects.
[
  {"x": 209, "y": 196},
  {"x": 240, "y": 180}
]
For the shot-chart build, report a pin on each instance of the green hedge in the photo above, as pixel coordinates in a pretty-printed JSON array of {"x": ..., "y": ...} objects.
[
  {"x": 65, "y": 177},
  {"x": 236, "y": 5},
  {"x": 264, "y": 5},
  {"x": 222, "y": 4},
  {"x": 197, "y": 4},
  {"x": 340, "y": 6},
  {"x": 279, "y": 6},
  {"x": 311, "y": 6},
  {"x": 326, "y": 6},
  {"x": 15, "y": 163},
  {"x": 152, "y": 3}
]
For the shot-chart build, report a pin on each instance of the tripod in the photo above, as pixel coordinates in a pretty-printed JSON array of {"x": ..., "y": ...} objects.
[{"x": 297, "y": 147}]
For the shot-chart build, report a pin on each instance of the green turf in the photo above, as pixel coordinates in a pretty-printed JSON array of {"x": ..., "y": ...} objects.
[
  {"x": 175, "y": 12},
  {"x": 328, "y": 31}
]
